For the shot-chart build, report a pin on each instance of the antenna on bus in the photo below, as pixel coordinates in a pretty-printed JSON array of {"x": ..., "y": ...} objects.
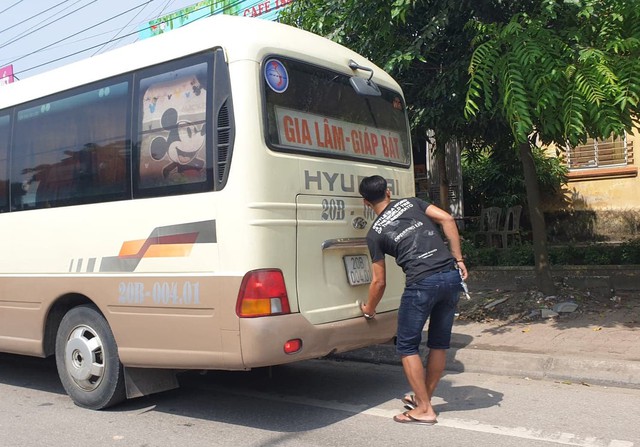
[{"x": 363, "y": 86}]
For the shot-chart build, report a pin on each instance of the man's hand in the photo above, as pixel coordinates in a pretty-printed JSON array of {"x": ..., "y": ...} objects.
[
  {"x": 368, "y": 312},
  {"x": 376, "y": 289},
  {"x": 464, "y": 274}
]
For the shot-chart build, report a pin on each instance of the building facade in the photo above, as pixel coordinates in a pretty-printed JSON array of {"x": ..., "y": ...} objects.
[{"x": 601, "y": 200}]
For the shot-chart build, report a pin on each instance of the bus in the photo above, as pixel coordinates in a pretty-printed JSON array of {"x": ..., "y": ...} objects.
[{"x": 190, "y": 201}]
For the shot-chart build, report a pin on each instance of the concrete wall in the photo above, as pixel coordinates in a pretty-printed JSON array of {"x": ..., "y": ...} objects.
[
  {"x": 598, "y": 203},
  {"x": 595, "y": 279}
]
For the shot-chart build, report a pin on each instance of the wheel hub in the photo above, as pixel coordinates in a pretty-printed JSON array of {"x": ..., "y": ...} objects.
[{"x": 84, "y": 358}]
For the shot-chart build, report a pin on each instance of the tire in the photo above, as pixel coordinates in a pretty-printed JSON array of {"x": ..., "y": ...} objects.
[{"x": 87, "y": 359}]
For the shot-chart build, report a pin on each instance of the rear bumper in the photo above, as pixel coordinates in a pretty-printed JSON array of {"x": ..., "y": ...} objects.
[{"x": 262, "y": 339}]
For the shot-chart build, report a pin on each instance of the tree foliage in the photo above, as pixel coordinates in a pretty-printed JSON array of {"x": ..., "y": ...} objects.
[{"x": 564, "y": 71}]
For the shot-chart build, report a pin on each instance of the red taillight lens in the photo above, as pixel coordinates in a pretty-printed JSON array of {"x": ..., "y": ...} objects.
[
  {"x": 292, "y": 346},
  {"x": 262, "y": 293}
]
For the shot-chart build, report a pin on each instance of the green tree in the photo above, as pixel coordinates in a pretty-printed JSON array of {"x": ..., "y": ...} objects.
[{"x": 558, "y": 73}]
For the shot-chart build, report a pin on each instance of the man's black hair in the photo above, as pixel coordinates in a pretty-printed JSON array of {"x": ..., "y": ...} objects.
[{"x": 373, "y": 188}]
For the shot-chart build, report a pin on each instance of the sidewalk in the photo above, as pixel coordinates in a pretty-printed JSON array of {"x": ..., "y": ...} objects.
[
  {"x": 592, "y": 354},
  {"x": 604, "y": 352}
]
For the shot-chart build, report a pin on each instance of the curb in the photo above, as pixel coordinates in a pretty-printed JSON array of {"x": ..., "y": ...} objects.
[{"x": 586, "y": 371}]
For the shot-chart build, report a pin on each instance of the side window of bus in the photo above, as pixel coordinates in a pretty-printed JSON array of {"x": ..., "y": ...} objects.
[
  {"x": 5, "y": 127},
  {"x": 172, "y": 146},
  {"x": 72, "y": 148}
]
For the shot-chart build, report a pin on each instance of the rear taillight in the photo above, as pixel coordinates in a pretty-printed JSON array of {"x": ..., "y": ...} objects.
[{"x": 262, "y": 293}]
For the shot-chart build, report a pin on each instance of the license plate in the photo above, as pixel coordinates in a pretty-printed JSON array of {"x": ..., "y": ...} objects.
[{"x": 358, "y": 269}]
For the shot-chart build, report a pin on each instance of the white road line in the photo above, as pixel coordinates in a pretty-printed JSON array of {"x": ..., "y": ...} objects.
[{"x": 460, "y": 424}]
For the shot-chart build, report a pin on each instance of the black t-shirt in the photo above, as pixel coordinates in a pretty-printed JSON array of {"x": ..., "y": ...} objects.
[{"x": 404, "y": 231}]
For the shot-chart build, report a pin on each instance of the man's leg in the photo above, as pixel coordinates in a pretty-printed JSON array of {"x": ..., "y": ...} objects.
[
  {"x": 415, "y": 307},
  {"x": 440, "y": 325},
  {"x": 414, "y": 371},
  {"x": 436, "y": 362}
]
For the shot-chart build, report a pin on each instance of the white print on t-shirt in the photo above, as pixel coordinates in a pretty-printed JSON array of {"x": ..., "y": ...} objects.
[
  {"x": 397, "y": 210},
  {"x": 407, "y": 230},
  {"x": 428, "y": 254}
]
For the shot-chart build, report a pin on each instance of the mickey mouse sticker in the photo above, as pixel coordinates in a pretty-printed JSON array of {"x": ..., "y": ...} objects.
[
  {"x": 174, "y": 137},
  {"x": 180, "y": 147}
]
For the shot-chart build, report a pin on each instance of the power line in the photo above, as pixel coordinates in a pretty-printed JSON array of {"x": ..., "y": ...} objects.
[
  {"x": 91, "y": 47},
  {"x": 74, "y": 42},
  {"x": 26, "y": 33},
  {"x": 166, "y": 5},
  {"x": 88, "y": 37},
  {"x": 33, "y": 16},
  {"x": 16, "y": 3},
  {"x": 54, "y": 45},
  {"x": 159, "y": 13},
  {"x": 121, "y": 29},
  {"x": 226, "y": 8},
  {"x": 80, "y": 32}
]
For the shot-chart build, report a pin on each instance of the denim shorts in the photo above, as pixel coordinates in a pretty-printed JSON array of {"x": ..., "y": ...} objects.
[{"x": 435, "y": 298}]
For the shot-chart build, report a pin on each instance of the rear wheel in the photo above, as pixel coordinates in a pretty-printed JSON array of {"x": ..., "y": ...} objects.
[{"x": 87, "y": 359}]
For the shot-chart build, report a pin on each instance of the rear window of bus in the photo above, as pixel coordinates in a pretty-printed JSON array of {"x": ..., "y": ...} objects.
[{"x": 310, "y": 109}]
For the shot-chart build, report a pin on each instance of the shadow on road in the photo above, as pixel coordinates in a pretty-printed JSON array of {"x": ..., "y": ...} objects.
[{"x": 290, "y": 398}]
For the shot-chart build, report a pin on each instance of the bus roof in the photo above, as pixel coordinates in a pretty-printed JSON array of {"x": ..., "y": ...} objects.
[{"x": 242, "y": 38}]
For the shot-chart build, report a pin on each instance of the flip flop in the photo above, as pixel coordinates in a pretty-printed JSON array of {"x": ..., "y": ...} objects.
[
  {"x": 411, "y": 420},
  {"x": 409, "y": 402}
]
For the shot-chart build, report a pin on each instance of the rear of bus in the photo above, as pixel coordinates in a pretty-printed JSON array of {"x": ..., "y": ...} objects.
[{"x": 322, "y": 131}]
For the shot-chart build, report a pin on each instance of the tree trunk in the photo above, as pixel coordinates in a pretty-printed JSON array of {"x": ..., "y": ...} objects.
[
  {"x": 538, "y": 226},
  {"x": 441, "y": 160}
]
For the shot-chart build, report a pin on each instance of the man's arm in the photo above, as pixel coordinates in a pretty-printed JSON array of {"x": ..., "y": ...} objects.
[
  {"x": 450, "y": 230},
  {"x": 376, "y": 288}
]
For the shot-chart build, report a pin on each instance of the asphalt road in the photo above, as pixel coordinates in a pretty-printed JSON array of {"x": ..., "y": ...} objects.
[{"x": 316, "y": 403}]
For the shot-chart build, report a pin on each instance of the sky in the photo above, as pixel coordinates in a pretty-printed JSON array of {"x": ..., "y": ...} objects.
[{"x": 39, "y": 35}]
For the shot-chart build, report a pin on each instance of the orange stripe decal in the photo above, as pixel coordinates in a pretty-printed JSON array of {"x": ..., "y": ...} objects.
[
  {"x": 159, "y": 246},
  {"x": 131, "y": 248},
  {"x": 168, "y": 251}
]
